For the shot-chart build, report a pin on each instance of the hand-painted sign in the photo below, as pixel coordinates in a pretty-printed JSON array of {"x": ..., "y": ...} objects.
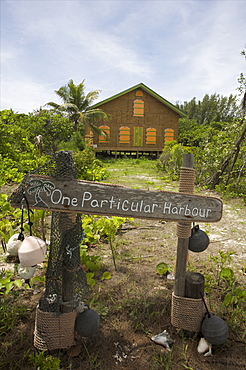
[{"x": 79, "y": 196}]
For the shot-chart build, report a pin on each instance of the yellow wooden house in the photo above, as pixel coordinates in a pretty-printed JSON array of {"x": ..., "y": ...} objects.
[{"x": 141, "y": 121}]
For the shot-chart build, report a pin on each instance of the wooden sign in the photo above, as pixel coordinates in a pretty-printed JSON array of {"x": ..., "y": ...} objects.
[{"x": 96, "y": 198}]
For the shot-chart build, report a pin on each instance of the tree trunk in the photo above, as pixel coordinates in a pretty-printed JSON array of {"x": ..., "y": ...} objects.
[
  {"x": 234, "y": 152},
  {"x": 232, "y": 166}
]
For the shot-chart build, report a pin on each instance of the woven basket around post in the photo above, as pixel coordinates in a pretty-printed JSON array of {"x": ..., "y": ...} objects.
[
  {"x": 54, "y": 331},
  {"x": 187, "y": 313}
]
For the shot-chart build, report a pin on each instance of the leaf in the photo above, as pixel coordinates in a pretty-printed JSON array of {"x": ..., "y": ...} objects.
[
  {"x": 161, "y": 268},
  {"x": 226, "y": 273},
  {"x": 40, "y": 279},
  {"x": 106, "y": 275},
  {"x": 92, "y": 266},
  {"x": 6, "y": 280},
  {"x": 244, "y": 295},
  {"x": 8, "y": 287},
  {"x": 228, "y": 299},
  {"x": 238, "y": 292},
  {"x": 91, "y": 282},
  {"x": 18, "y": 282},
  {"x": 90, "y": 275}
]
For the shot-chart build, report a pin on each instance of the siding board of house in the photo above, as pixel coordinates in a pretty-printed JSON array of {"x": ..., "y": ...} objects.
[{"x": 153, "y": 113}]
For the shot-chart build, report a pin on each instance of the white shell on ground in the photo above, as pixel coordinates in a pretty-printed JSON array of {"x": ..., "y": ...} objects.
[
  {"x": 163, "y": 339},
  {"x": 204, "y": 346}
]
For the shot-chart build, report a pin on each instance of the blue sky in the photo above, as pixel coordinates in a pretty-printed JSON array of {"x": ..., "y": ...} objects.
[{"x": 180, "y": 49}]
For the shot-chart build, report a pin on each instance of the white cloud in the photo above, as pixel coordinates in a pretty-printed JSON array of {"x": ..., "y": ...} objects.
[
  {"x": 24, "y": 93},
  {"x": 180, "y": 49}
]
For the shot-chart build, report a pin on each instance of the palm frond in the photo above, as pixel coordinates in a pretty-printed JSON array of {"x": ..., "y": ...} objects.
[
  {"x": 53, "y": 105},
  {"x": 97, "y": 131},
  {"x": 70, "y": 107},
  {"x": 94, "y": 115},
  {"x": 63, "y": 93}
]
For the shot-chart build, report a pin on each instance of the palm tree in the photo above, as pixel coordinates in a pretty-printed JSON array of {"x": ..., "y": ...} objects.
[{"x": 76, "y": 106}]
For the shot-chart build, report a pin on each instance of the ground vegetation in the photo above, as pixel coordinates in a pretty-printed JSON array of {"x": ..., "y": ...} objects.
[{"x": 134, "y": 299}]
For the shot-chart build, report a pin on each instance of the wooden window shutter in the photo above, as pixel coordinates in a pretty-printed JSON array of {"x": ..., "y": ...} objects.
[
  {"x": 138, "y": 108},
  {"x": 151, "y": 135},
  {"x": 169, "y": 134},
  {"x": 124, "y": 135},
  {"x": 139, "y": 93},
  {"x": 102, "y": 138}
]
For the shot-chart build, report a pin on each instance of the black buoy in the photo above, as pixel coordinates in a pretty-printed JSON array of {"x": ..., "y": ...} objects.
[
  {"x": 198, "y": 241},
  {"x": 214, "y": 329},
  {"x": 87, "y": 323}
]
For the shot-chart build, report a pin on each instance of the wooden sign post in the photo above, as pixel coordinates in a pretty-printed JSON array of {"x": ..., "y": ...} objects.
[{"x": 183, "y": 229}]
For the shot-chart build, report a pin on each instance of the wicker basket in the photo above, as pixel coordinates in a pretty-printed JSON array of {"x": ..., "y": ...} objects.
[
  {"x": 54, "y": 331},
  {"x": 187, "y": 313}
]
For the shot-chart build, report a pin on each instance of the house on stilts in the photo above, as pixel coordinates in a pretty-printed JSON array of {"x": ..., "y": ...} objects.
[{"x": 141, "y": 121}]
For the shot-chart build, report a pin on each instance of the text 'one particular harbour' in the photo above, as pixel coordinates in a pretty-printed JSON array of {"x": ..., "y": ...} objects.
[{"x": 132, "y": 207}]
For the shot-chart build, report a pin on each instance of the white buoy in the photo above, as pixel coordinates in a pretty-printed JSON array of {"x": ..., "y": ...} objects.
[
  {"x": 26, "y": 273},
  {"x": 32, "y": 251},
  {"x": 13, "y": 245}
]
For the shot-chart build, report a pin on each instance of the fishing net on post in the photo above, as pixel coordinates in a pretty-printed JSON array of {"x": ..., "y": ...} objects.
[{"x": 66, "y": 284}]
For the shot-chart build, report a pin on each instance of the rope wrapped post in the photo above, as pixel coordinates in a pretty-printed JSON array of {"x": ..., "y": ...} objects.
[
  {"x": 187, "y": 176},
  {"x": 187, "y": 313}
]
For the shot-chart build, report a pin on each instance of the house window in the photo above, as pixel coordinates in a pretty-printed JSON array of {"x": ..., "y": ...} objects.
[
  {"x": 151, "y": 136},
  {"x": 169, "y": 135},
  {"x": 89, "y": 138},
  {"x": 102, "y": 138},
  {"x": 138, "y": 108},
  {"x": 139, "y": 93},
  {"x": 124, "y": 135}
]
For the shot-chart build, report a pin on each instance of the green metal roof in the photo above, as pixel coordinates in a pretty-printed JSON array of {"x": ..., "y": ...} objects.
[{"x": 148, "y": 90}]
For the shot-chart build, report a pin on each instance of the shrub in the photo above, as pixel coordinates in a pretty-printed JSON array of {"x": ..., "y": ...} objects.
[
  {"x": 88, "y": 166},
  {"x": 171, "y": 158}
]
